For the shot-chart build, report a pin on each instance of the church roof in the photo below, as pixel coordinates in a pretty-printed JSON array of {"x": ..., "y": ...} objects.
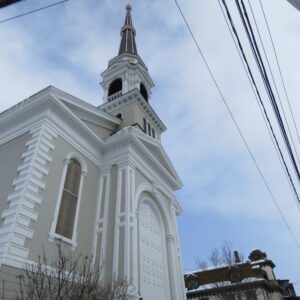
[{"x": 128, "y": 44}]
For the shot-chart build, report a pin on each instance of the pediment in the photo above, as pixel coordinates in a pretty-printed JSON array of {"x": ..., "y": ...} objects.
[{"x": 157, "y": 151}]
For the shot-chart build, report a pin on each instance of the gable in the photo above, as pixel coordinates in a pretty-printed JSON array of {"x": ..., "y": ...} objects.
[
  {"x": 155, "y": 151},
  {"x": 159, "y": 154}
]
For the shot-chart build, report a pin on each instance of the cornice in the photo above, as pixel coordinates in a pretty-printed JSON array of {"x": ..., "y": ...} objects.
[
  {"x": 125, "y": 57},
  {"x": 90, "y": 111},
  {"x": 125, "y": 142},
  {"x": 60, "y": 117},
  {"x": 121, "y": 67},
  {"x": 105, "y": 119},
  {"x": 158, "y": 144},
  {"x": 130, "y": 97}
]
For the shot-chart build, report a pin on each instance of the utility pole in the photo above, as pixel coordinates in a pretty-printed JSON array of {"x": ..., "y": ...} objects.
[{"x": 4, "y": 3}]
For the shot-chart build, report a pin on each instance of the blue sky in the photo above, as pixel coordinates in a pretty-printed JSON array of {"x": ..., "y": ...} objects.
[{"x": 223, "y": 197}]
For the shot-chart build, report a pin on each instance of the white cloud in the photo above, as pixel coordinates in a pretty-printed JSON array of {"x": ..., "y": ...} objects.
[{"x": 69, "y": 47}]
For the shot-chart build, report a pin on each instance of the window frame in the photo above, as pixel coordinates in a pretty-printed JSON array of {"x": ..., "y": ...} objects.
[{"x": 52, "y": 234}]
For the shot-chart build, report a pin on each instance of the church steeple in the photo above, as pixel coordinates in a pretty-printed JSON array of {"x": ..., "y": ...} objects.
[
  {"x": 127, "y": 86},
  {"x": 128, "y": 44},
  {"x": 126, "y": 71}
]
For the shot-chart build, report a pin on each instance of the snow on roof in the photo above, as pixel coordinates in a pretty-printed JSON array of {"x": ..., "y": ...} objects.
[
  {"x": 258, "y": 261},
  {"x": 252, "y": 279},
  {"x": 206, "y": 269},
  {"x": 221, "y": 284}
]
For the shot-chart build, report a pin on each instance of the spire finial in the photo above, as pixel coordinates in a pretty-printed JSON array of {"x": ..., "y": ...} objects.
[
  {"x": 128, "y": 44},
  {"x": 128, "y": 7}
]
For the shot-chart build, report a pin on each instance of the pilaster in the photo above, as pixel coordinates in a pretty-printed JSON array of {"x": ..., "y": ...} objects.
[
  {"x": 123, "y": 261},
  {"x": 101, "y": 230}
]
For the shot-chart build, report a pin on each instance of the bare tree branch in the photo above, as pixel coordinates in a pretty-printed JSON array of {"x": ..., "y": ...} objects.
[{"x": 70, "y": 278}]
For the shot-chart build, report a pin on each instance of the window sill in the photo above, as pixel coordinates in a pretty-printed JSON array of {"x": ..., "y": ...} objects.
[{"x": 61, "y": 238}]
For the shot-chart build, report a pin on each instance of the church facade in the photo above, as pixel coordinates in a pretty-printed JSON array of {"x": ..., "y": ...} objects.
[{"x": 95, "y": 178}]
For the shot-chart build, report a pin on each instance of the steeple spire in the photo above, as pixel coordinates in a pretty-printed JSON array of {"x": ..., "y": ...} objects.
[{"x": 128, "y": 44}]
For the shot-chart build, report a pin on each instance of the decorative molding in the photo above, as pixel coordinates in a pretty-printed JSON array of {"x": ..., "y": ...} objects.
[
  {"x": 126, "y": 143},
  {"x": 130, "y": 97},
  {"x": 67, "y": 98},
  {"x": 26, "y": 195},
  {"x": 104, "y": 221}
]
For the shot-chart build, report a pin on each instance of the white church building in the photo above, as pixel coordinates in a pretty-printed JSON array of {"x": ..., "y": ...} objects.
[{"x": 95, "y": 178}]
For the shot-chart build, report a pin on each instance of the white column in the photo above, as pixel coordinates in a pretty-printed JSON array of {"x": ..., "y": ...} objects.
[
  {"x": 172, "y": 266},
  {"x": 118, "y": 224},
  {"x": 97, "y": 219},
  {"x": 103, "y": 222},
  {"x": 175, "y": 244}
]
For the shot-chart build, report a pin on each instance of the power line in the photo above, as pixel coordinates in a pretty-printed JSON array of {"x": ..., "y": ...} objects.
[
  {"x": 274, "y": 138},
  {"x": 33, "y": 11},
  {"x": 273, "y": 79},
  {"x": 262, "y": 70},
  {"x": 236, "y": 125},
  {"x": 259, "y": 103},
  {"x": 279, "y": 68}
]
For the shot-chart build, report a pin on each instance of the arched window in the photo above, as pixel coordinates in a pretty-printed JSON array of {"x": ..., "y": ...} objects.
[
  {"x": 149, "y": 129},
  {"x": 115, "y": 86},
  {"x": 145, "y": 125},
  {"x": 69, "y": 200},
  {"x": 144, "y": 91},
  {"x": 153, "y": 133},
  {"x": 120, "y": 116}
]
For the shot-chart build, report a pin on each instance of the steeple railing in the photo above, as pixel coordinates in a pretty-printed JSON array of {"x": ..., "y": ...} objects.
[{"x": 114, "y": 96}]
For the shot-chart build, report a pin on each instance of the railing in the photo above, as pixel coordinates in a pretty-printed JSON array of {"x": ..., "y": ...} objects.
[{"x": 114, "y": 96}]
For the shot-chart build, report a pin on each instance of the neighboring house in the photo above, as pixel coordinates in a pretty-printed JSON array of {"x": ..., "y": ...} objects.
[
  {"x": 95, "y": 178},
  {"x": 288, "y": 290},
  {"x": 251, "y": 280}
]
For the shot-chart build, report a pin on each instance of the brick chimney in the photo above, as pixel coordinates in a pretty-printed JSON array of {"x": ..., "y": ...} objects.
[{"x": 237, "y": 257}]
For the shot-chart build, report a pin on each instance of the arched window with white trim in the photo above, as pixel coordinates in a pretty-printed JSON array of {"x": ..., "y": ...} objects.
[
  {"x": 69, "y": 200},
  {"x": 64, "y": 225}
]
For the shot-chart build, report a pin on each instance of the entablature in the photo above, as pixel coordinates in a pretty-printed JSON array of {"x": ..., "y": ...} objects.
[{"x": 131, "y": 97}]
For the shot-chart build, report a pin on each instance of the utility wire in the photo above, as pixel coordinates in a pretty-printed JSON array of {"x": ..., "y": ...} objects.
[
  {"x": 261, "y": 102},
  {"x": 279, "y": 68},
  {"x": 256, "y": 53},
  {"x": 236, "y": 125},
  {"x": 258, "y": 100},
  {"x": 273, "y": 80},
  {"x": 33, "y": 11},
  {"x": 295, "y": 192},
  {"x": 270, "y": 94}
]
